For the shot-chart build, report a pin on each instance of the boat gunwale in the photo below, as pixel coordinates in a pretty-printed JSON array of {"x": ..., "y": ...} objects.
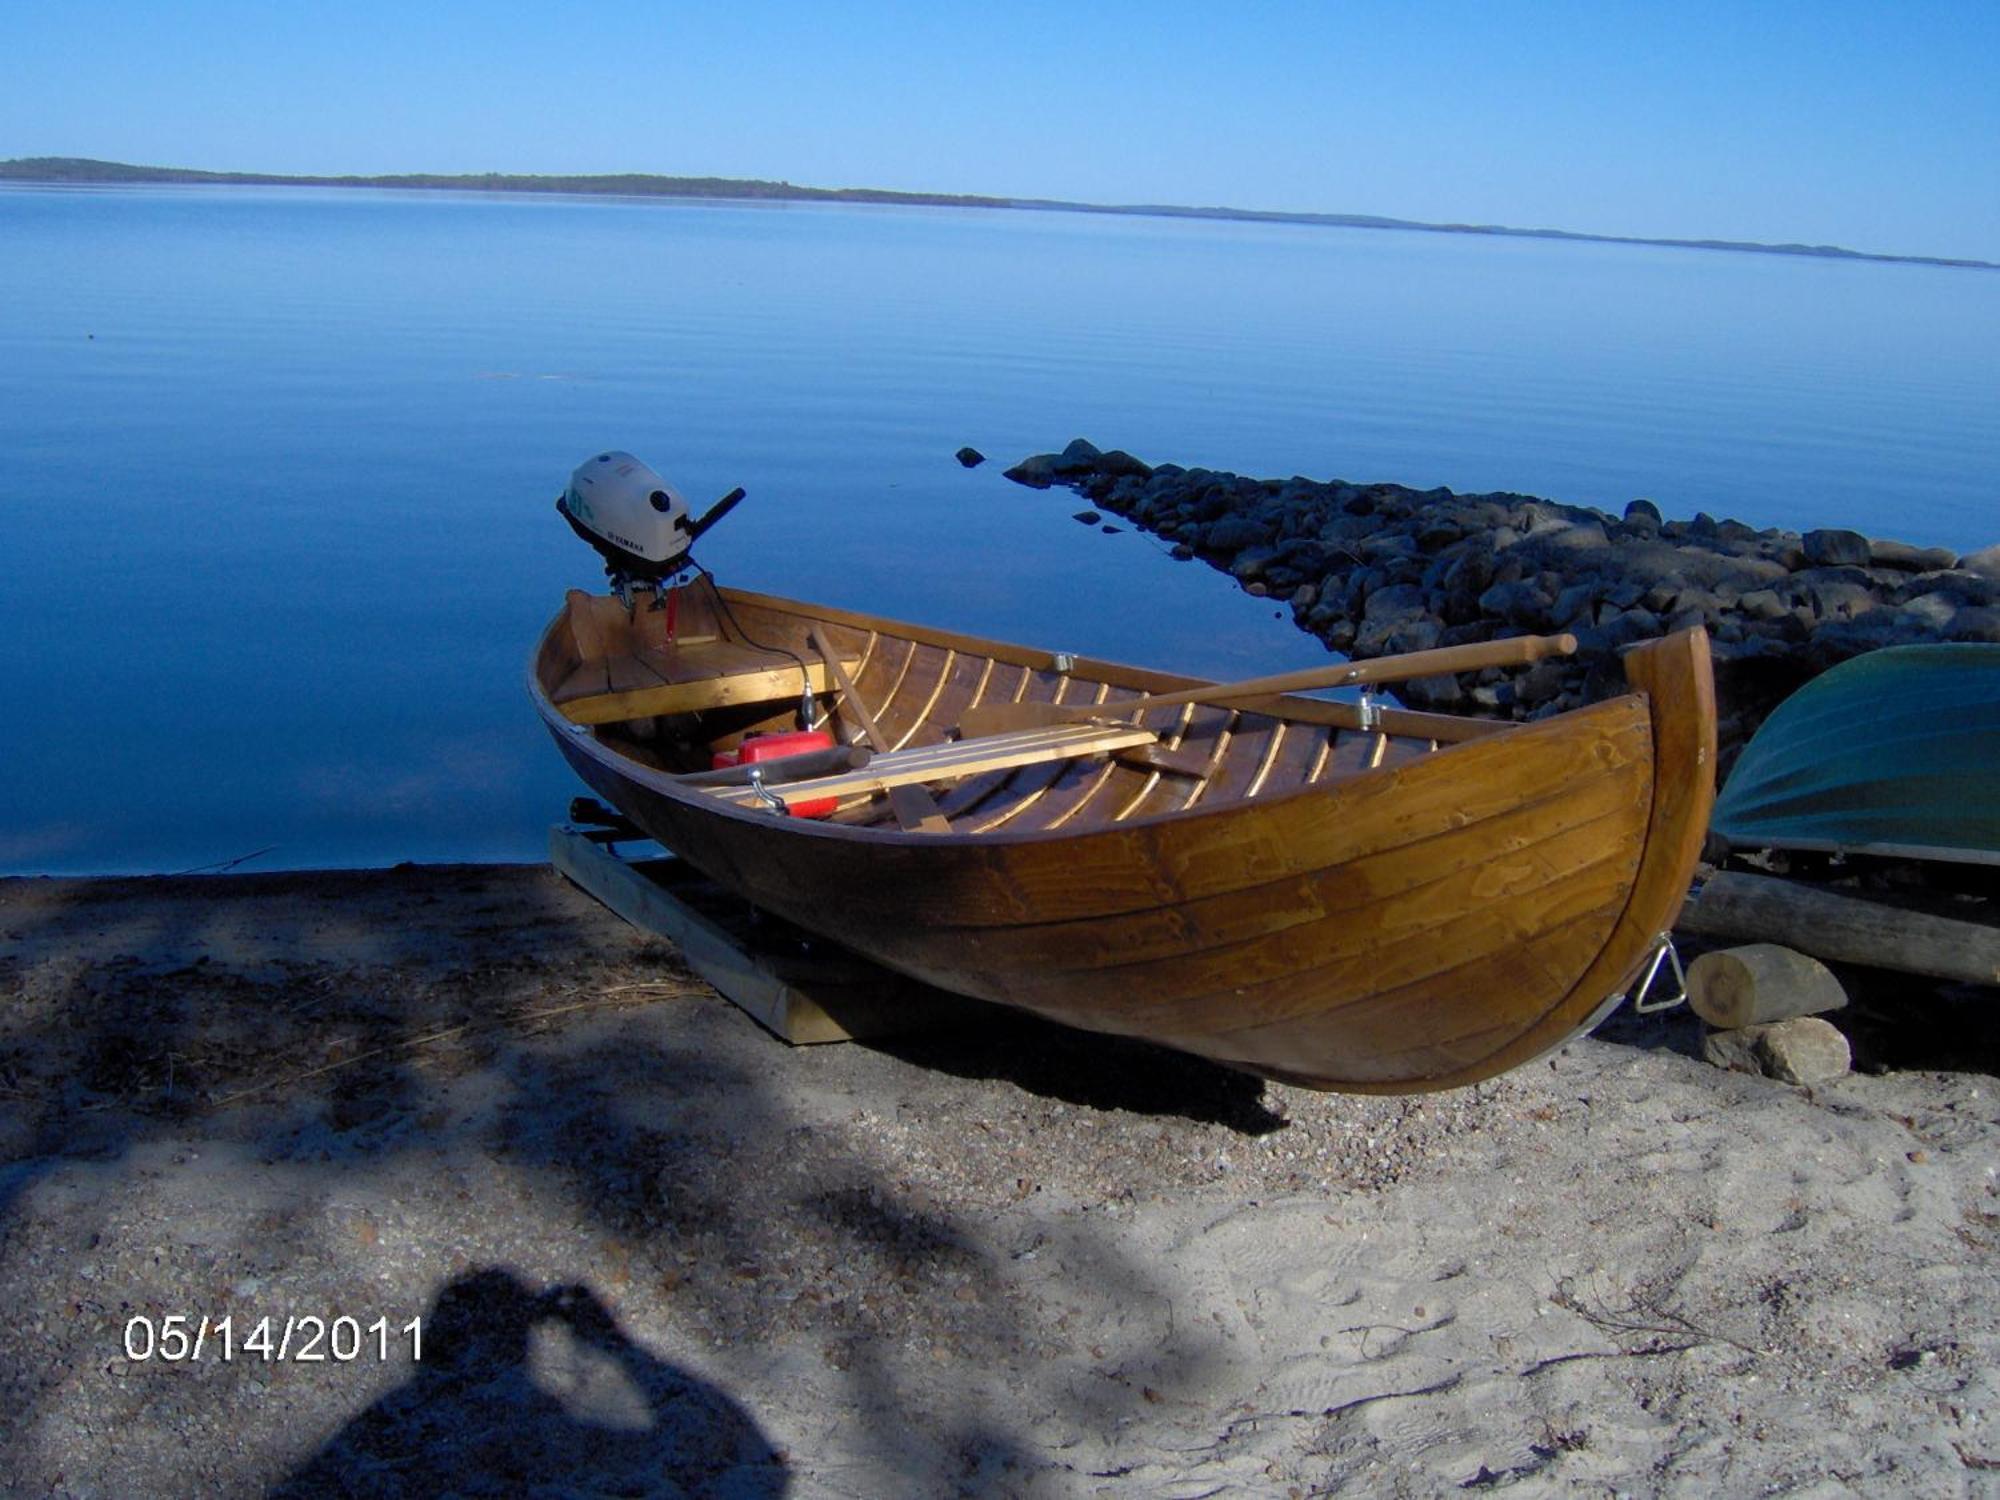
[{"x": 585, "y": 740}]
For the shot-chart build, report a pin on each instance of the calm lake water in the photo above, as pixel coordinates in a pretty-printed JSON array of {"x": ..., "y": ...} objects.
[{"x": 277, "y": 466}]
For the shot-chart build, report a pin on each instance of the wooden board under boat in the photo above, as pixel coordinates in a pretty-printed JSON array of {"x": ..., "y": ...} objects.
[{"x": 1413, "y": 902}]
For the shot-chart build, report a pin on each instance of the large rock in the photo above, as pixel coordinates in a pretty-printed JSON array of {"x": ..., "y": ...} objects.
[
  {"x": 1396, "y": 603},
  {"x": 1763, "y": 604},
  {"x": 1037, "y": 472},
  {"x": 1932, "y": 612},
  {"x": 1567, "y": 538},
  {"x": 1518, "y": 603},
  {"x": 1118, "y": 461},
  {"x": 1438, "y": 694},
  {"x": 1835, "y": 548},
  {"x": 1838, "y": 597},
  {"x": 1253, "y": 563},
  {"x": 1979, "y": 623},
  {"x": 1234, "y": 533},
  {"x": 1804, "y": 1050},
  {"x": 1908, "y": 559},
  {"x": 1080, "y": 457},
  {"x": 1985, "y": 562}
]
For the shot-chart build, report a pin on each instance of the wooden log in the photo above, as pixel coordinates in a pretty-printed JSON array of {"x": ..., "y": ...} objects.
[
  {"x": 1761, "y": 982},
  {"x": 1843, "y": 928}
]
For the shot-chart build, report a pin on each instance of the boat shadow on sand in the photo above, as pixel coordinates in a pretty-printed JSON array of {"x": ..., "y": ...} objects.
[{"x": 1089, "y": 1070}]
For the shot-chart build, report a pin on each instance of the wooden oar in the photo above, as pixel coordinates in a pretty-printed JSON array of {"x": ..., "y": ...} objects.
[
  {"x": 916, "y": 810},
  {"x": 998, "y": 718}
]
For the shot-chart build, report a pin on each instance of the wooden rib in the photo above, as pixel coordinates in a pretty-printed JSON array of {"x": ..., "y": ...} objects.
[
  {"x": 1079, "y": 784},
  {"x": 1024, "y": 779},
  {"x": 1132, "y": 803},
  {"x": 896, "y": 686},
  {"x": 1021, "y": 785},
  {"x": 1350, "y": 749},
  {"x": 1264, "y": 769},
  {"x": 969, "y": 794},
  {"x": 1205, "y": 722},
  {"x": 1381, "y": 748},
  {"x": 1215, "y": 761},
  {"x": 1319, "y": 760},
  {"x": 1172, "y": 740},
  {"x": 860, "y": 665},
  {"x": 1288, "y": 770},
  {"x": 909, "y": 684},
  {"x": 923, "y": 714},
  {"x": 964, "y": 677},
  {"x": 1081, "y": 796},
  {"x": 1246, "y": 750},
  {"x": 967, "y": 677}
]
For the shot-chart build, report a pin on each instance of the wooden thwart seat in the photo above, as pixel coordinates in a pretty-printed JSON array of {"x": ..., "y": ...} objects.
[
  {"x": 633, "y": 687},
  {"x": 954, "y": 759}
]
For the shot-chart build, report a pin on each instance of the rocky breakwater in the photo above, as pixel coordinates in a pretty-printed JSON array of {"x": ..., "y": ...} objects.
[{"x": 1378, "y": 569}]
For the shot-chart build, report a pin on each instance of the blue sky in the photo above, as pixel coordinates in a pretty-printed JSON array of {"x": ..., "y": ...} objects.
[{"x": 1875, "y": 126}]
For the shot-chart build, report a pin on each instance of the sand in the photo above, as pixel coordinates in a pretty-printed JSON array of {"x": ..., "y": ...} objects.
[{"x": 655, "y": 1251}]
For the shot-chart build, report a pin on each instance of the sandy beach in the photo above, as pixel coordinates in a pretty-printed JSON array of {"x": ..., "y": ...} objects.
[{"x": 655, "y": 1251}]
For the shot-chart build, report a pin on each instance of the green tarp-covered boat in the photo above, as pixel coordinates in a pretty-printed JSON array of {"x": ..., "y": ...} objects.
[{"x": 1894, "y": 753}]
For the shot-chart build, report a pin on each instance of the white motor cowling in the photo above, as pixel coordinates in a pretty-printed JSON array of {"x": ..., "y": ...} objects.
[{"x": 638, "y": 522}]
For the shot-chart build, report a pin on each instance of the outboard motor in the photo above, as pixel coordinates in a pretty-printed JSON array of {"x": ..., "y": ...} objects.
[{"x": 638, "y": 523}]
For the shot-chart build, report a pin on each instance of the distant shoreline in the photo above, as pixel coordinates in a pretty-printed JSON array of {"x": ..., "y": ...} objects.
[{"x": 82, "y": 171}]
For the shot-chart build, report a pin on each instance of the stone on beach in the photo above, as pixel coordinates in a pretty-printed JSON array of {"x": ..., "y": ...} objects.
[{"x": 1803, "y": 1050}]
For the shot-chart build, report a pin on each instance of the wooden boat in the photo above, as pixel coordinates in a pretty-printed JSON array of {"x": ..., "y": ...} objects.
[
  {"x": 1890, "y": 754},
  {"x": 1331, "y": 894}
]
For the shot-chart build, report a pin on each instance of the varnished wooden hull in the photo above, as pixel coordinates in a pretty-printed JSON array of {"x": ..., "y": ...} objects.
[{"x": 1336, "y": 906}]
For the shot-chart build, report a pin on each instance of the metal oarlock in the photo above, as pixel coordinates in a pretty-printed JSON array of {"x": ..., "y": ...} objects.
[
  {"x": 772, "y": 801},
  {"x": 1664, "y": 952},
  {"x": 1370, "y": 710}
]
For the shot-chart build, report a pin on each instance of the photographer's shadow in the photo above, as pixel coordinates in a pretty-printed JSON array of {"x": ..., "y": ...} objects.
[{"x": 521, "y": 1392}]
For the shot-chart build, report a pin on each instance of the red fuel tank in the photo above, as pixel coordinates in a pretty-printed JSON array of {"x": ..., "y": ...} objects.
[{"x": 790, "y": 742}]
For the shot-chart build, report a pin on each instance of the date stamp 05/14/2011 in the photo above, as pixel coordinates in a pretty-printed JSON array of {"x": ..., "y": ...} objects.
[{"x": 308, "y": 1339}]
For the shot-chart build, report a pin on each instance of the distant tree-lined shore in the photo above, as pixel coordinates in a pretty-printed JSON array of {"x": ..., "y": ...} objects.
[{"x": 83, "y": 171}]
